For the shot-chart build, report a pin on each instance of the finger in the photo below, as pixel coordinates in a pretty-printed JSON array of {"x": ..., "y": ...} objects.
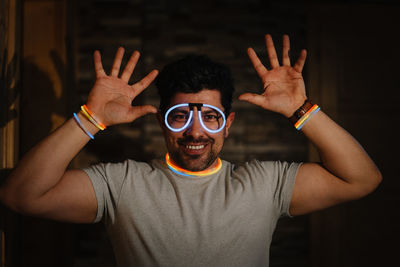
[
  {"x": 285, "y": 51},
  {"x": 117, "y": 62},
  {"x": 144, "y": 83},
  {"x": 98, "y": 66},
  {"x": 258, "y": 66},
  {"x": 301, "y": 61},
  {"x": 130, "y": 66},
  {"x": 255, "y": 99},
  {"x": 273, "y": 58},
  {"x": 139, "y": 111}
]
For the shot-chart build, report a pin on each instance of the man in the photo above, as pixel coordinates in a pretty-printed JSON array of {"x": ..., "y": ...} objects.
[{"x": 191, "y": 209}]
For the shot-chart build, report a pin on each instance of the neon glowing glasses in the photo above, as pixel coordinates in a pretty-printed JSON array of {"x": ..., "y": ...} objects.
[{"x": 179, "y": 117}]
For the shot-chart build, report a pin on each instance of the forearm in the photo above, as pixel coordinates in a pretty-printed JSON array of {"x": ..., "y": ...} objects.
[
  {"x": 45, "y": 164},
  {"x": 341, "y": 154}
]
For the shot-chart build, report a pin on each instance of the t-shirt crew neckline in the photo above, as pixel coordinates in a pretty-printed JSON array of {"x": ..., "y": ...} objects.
[{"x": 191, "y": 178}]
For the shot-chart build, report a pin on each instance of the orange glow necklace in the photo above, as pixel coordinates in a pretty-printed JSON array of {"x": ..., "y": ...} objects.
[{"x": 173, "y": 167}]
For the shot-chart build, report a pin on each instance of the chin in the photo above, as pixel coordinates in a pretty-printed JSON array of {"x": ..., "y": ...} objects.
[{"x": 194, "y": 162}]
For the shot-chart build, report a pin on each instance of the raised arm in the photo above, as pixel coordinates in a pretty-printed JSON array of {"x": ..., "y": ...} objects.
[
  {"x": 346, "y": 171},
  {"x": 41, "y": 185}
]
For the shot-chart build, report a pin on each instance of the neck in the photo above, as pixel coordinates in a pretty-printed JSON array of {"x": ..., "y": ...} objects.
[{"x": 175, "y": 168}]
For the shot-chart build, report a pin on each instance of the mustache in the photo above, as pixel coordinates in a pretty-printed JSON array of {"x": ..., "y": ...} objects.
[{"x": 191, "y": 139}]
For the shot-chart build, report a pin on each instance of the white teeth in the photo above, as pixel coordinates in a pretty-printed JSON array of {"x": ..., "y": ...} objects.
[{"x": 195, "y": 147}]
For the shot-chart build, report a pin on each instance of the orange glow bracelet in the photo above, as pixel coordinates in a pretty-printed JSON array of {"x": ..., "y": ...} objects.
[
  {"x": 89, "y": 115},
  {"x": 310, "y": 113}
]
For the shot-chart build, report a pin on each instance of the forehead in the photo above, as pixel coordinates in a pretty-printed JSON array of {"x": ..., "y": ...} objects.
[{"x": 206, "y": 96}]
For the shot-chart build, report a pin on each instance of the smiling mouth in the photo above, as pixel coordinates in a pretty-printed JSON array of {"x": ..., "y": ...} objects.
[
  {"x": 198, "y": 147},
  {"x": 191, "y": 146}
]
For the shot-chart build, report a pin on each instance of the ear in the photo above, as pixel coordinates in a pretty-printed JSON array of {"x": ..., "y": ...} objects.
[{"x": 229, "y": 121}]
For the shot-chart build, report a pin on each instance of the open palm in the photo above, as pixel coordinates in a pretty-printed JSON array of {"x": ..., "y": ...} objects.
[
  {"x": 284, "y": 90},
  {"x": 111, "y": 96}
]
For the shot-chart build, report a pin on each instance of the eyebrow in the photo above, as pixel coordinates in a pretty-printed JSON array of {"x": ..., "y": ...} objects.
[
  {"x": 181, "y": 109},
  {"x": 209, "y": 111}
]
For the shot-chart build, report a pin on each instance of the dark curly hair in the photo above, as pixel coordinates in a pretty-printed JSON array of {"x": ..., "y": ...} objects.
[{"x": 192, "y": 74}]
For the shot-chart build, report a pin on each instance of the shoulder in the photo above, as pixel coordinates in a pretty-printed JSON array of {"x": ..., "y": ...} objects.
[
  {"x": 258, "y": 166},
  {"x": 123, "y": 168},
  {"x": 265, "y": 171}
]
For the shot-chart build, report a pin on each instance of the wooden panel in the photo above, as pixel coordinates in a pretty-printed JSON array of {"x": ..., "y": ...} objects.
[
  {"x": 10, "y": 49},
  {"x": 43, "y": 108},
  {"x": 9, "y": 79},
  {"x": 353, "y": 73},
  {"x": 44, "y": 93}
]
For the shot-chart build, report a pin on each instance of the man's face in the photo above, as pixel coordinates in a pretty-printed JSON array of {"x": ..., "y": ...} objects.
[{"x": 194, "y": 148}]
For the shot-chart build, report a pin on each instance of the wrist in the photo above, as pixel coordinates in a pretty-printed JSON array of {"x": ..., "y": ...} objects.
[
  {"x": 87, "y": 122},
  {"x": 303, "y": 114},
  {"x": 86, "y": 126},
  {"x": 92, "y": 118},
  {"x": 307, "y": 104},
  {"x": 95, "y": 111}
]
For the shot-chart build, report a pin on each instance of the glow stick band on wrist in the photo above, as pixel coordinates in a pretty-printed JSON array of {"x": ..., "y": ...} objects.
[
  {"x": 173, "y": 167},
  {"x": 78, "y": 121},
  {"x": 303, "y": 120},
  {"x": 89, "y": 115}
]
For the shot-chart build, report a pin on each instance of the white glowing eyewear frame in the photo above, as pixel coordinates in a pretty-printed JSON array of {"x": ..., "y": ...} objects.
[{"x": 191, "y": 105}]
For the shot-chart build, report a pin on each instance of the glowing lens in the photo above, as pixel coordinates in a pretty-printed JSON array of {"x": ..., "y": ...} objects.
[{"x": 180, "y": 117}]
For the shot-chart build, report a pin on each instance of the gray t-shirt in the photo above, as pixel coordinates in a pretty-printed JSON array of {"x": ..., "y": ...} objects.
[{"x": 155, "y": 217}]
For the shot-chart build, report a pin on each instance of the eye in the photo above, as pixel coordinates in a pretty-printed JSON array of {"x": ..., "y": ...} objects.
[
  {"x": 211, "y": 117},
  {"x": 179, "y": 116}
]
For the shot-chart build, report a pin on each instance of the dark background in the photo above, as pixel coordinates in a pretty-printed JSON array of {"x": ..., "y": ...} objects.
[{"x": 351, "y": 72}]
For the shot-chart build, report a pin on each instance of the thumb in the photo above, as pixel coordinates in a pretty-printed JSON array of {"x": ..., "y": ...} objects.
[
  {"x": 139, "y": 111},
  {"x": 255, "y": 99}
]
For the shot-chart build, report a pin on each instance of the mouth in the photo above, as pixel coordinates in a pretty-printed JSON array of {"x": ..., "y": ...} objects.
[{"x": 195, "y": 147}]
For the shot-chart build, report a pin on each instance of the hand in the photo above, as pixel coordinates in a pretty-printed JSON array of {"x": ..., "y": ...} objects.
[
  {"x": 111, "y": 97},
  {"x": 284, "y": 90}
]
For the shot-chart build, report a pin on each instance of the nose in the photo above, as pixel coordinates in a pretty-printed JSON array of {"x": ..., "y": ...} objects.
[{"x": 195, "y": 129}]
